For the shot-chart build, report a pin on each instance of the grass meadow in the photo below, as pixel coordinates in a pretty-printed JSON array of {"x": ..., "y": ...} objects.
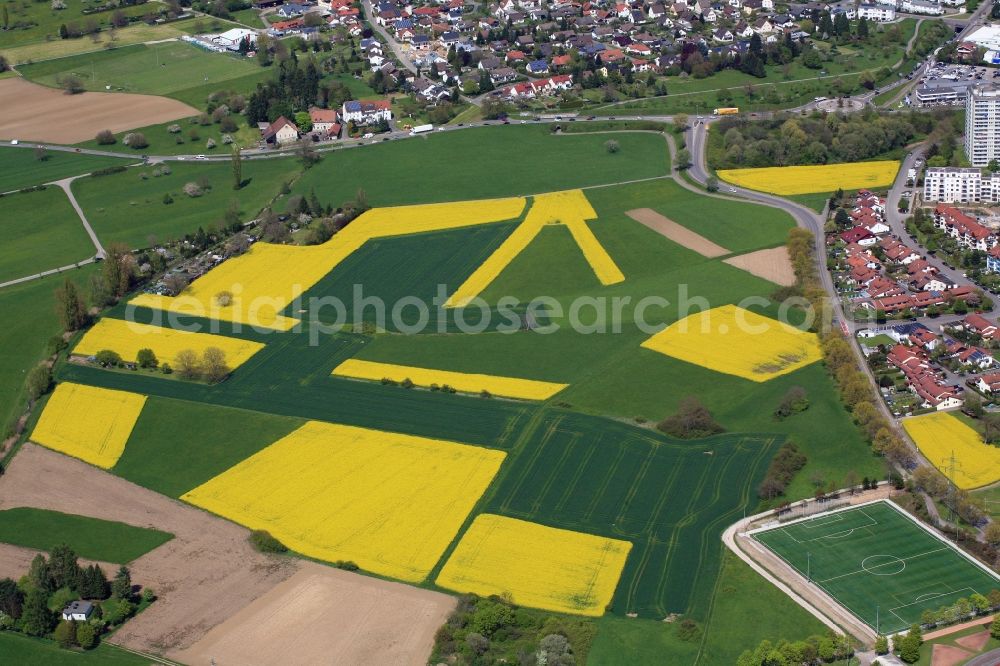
[
  {"x": 91, "y": 538},
  {"x": 169, "y": 69},
  {"x": 42, "y": 232},
  {"x": 36, "y": 22},
  {"x": 483, "y": 163},
  {"x": 136, "y": 33},
  {"x": 126, "y": 208},
  {"x": 21, "y": 168},
  {"x": 26, "y": 651}
]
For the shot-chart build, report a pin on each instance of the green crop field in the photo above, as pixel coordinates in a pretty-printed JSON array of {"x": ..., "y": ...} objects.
[
  {"x": 425, "y": 263},
  {"x": 26, "y": 651},
  {"x": 592, "y": 475},
  {"x": 879, "y": 564},
  {"x": 482, "y": 163},
  {"x": 91, "y": 538},
  {"x": 209, "y": 439},
  {"x": 19, "y": 167},
  {"x": 41, "y": 232},
  {"x": 168, "y": 69},
  {"x": 125, "y": 208}
]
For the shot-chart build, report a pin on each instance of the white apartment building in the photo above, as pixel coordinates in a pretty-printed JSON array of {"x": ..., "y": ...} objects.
[
  {"x": 877, "y": 13},
  {"x": 952, "y": 184},
  {"x": 982, "y": 124},
  {"x": 921, "y": 7},
  {"x": 961, "y": 185}
]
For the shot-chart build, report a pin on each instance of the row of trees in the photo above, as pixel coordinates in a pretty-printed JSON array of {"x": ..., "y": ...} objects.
[
  {"x": 785, "y": 464},
  {"x": 854, "y": 387},
  {"x": 815, "y": 649}
]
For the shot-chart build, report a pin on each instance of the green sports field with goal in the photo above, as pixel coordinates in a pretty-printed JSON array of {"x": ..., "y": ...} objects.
[{"x": 878, "y": 563}]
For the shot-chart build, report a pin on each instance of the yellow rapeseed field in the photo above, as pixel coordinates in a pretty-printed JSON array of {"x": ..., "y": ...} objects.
[
  {"x": 819, "y": 178},
  {"x": 90, "y": 423},
  {"x": 570, "y": 208},
  {"x": 737, "y": 342},
  {"x": 265, "y": 280},
  {"x": 539, "y": 566},
  {"x": 509, "y": 387},
  {"x": 940, "y": 435},
  {"x": 391, "y": 503},
  {"x": 127, "y": 338}
]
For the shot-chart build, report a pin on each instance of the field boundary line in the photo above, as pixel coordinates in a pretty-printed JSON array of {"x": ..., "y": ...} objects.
[
  {"x": 949, "y": 544},
  {"x": 904, "y": 560},
  {"x": 849, "y": 507},
  {"x": 893, "y": 610}
]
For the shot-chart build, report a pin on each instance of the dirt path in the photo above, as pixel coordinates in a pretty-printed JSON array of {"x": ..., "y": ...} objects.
[
  {"x": 15, "y": 561},
  {"x": 206, "y": 574},
  {"x": 772, "y": 265},
  {"x": 677, "y": 233},
  {"x": 938, "y": 633},
  {"x": 321, "y": 612},
  {"x": 37, "y": 113}
]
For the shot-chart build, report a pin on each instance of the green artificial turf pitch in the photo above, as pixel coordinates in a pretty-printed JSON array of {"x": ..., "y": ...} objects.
[{"x": 878, "y": 563}]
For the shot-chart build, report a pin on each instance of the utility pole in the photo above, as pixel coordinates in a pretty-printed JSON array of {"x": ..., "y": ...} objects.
[{"x": 808, "y": 566}]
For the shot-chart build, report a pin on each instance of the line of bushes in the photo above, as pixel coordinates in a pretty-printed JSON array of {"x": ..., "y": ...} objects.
[{"x": 786, "y": 462}]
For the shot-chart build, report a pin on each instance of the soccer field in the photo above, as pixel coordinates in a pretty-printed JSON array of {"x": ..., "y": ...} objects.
[{"x": 878, "y": 563}]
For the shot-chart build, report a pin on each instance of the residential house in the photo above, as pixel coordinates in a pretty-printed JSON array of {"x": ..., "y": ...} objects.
[
  {"x": 989, "y": 382},
  {"x": 282, "y": 131},
  {"x": 324, "y": 121},
  {"x": 77, "y": 611},
  {"x": 980, "y": 325},
  {"x": 366, "y": 113}
]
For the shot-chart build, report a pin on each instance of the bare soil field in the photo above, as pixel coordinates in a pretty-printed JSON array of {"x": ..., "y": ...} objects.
[
  {"x": 677, "y": 233},
  {"x": 37, "y": 113},
  {"x": 975, "y": 642},
  {"x": 204, "y": 575},
  {"x": 948, "y": 655},
  {"x": 15, "y": 560},
  {"x": 773, "y": 265},
  {"x": 324, "y": 615}
]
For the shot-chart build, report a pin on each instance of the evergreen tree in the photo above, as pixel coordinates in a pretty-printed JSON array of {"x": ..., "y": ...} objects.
[
  {"x": 93, "y": 583},
  {"x": 841, "y": 26},
  {"x": 121, "y": 586},
  {"x": 64, "y": 568},
  {"x": 863, "y": 28},
  {"x": 40, "y": 576},
  {"x": 826, "y": 25},
  {"x": 11, "y": 598},
  {"x": 36, "y": 618}
]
